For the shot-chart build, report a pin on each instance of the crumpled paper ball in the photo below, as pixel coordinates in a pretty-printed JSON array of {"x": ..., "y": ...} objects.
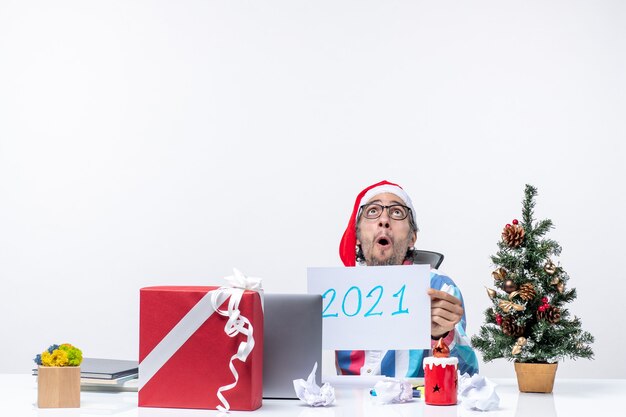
[
  {"x": 391, "y": 390},
  {"x": 309, "y": 392},
  {"x": 478, "y": 393}
]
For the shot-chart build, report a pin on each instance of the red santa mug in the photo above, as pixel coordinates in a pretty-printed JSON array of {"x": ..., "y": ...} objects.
[{"x": 440, "y": 380}]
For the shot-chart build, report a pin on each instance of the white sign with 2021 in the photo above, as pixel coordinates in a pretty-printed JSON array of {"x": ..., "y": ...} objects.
[{"x": 374, "y": 307}]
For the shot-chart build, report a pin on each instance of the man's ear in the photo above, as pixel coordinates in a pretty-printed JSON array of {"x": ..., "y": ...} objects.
[{"x": 413, "y": 240}]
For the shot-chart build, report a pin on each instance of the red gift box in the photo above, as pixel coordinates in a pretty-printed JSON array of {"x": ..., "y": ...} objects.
[{"x": 184, "y": 353}]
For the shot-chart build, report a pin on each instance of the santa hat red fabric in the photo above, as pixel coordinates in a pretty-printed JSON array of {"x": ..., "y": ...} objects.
[{"x": 347, "y": 247}]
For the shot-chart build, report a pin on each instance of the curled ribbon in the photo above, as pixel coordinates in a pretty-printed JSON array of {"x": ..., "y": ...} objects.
[{"x": 236, "y": 324}]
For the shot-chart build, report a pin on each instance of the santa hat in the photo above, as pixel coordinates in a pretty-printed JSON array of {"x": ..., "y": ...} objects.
[{"x": 347, "y": 247}]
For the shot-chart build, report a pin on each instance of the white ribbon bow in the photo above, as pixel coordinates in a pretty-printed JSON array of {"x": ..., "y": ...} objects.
[
  {"x": 236, "y": 324},
  {"x": 239, "y": 280}
]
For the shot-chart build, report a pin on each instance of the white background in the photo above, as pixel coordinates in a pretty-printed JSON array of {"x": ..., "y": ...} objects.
[{"x": 159, "y": 142}]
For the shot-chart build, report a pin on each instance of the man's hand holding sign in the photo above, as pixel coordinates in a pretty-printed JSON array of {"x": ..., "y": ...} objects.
[{"x": 445, "y": 310}]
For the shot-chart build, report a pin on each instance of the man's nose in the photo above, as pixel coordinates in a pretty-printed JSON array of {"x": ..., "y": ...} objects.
[{"x": 383, "y": 220}]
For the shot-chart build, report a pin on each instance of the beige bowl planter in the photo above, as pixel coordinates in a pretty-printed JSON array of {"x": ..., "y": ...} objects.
[
  {"x": 535, "y": 377},
  {"x": 58, "y": 387}
]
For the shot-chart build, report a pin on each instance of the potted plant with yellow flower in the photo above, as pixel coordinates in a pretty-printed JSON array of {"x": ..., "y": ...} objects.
[{"x": 58, "y": 381}]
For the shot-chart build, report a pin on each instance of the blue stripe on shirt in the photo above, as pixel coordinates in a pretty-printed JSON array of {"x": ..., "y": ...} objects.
[
  {"x": 415, "y": 363},
  {"x": 388, "y": 365}
]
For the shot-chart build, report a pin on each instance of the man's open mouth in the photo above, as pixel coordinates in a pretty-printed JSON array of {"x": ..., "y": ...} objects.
[{"x": 383, "y": 241}]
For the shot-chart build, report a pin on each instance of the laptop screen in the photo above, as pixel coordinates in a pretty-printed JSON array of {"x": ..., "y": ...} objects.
[{"x": 292, "y": 341}]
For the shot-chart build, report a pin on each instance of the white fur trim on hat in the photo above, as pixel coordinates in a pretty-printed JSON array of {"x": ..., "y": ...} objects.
[{"x": 392, "y": 189}]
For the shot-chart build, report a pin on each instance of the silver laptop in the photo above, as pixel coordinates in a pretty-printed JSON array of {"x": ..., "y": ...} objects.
[{"x": 292, "y": 341}]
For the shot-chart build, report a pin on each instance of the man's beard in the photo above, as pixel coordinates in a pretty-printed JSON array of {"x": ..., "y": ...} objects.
[
  {"x": 397, "y": 257},
  {"x": 389, "y": 261}
]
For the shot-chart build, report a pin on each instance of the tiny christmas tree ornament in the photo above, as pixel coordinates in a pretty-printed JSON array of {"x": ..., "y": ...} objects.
[
  {"x": 509, "y": 286},
  {"x": 509, "y": 306},
  {"x": 519, "y": 344},
  {"x": 499, "y": 274},
  {"x": 560, "y": 287},
  {"x": 530, "y": 324},
  {"x": 549, "y": 267},
  {"x": 513, "y": 295}
]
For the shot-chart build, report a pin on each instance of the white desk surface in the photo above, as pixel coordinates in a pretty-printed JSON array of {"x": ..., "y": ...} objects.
[{"x": 571, "y": 397}]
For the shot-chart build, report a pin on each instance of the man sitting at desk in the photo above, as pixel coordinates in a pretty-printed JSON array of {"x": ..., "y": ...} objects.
[{"x": 382, "y": 231}]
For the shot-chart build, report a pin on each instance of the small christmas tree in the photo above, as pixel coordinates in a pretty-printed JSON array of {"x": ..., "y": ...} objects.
[{"x": 528, "y": 321}]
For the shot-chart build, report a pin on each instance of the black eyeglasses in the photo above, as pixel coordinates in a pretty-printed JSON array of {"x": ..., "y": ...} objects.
[{"x": 395, "y": 211}]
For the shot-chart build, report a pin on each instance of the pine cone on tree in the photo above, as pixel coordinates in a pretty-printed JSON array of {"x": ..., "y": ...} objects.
[
  {"x": 510, "y": 328},
  {"x": 513, "y": 235},
  {"x": 551, "y": 314},
  {"x": 527, "y": 291}
]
